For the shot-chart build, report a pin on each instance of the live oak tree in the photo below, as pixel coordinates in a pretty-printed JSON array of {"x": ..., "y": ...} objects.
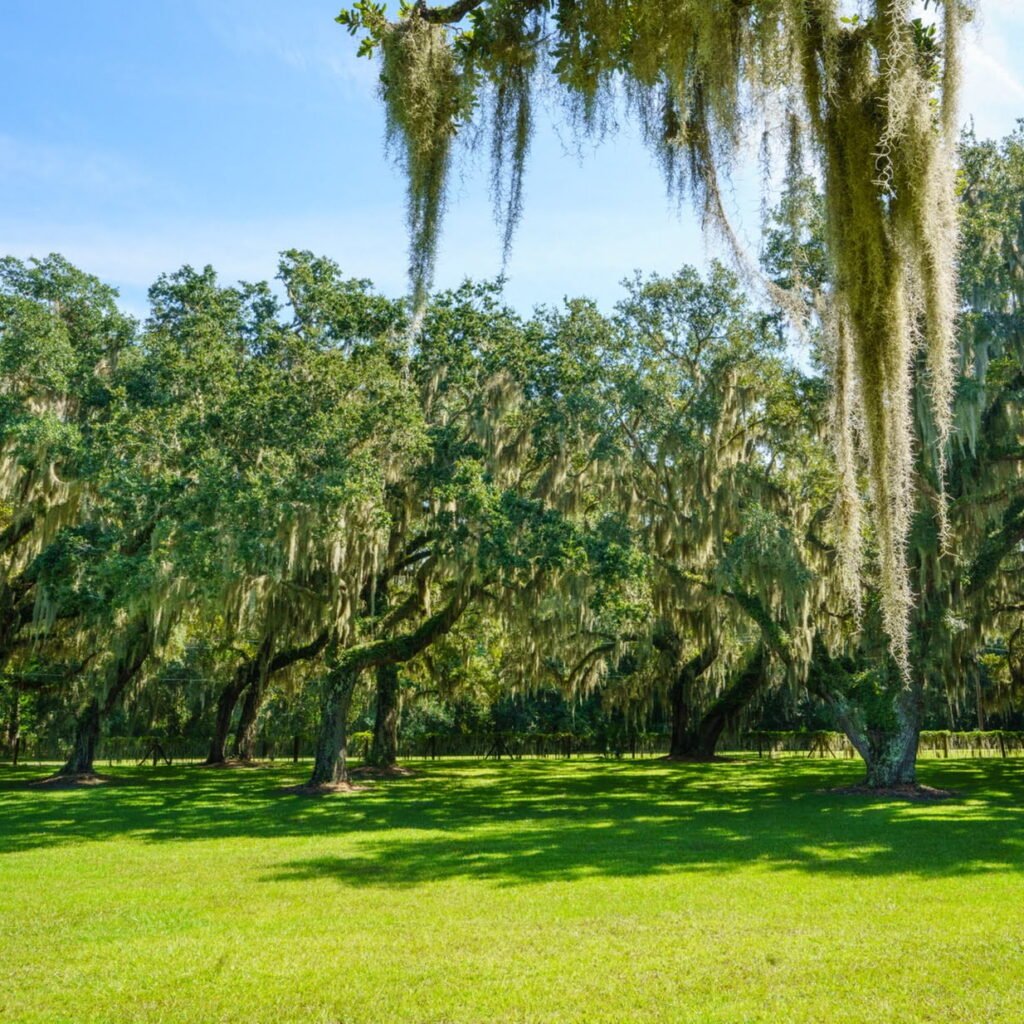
[
  {"x": 483, "y": 519},
  {"x": 961, "y": 561},
  {"x": 719, "y": 473},
  {"x": 868, "y": 97},
  {"x": 233, "y": 483},
  {"x": 697, "y": 450},
  {"x": 287, "y": 510},
  {"x": 61, "y": 336},
  {"x": 308, "y": 496},
  {"x": 322, "y": 425}
]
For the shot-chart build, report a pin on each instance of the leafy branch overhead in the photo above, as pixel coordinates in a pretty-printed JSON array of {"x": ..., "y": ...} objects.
[{"x": 869, "y": 102}]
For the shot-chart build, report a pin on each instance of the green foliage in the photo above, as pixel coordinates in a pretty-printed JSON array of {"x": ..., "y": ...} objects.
[
  {"x": 871, "y": 98},
  {"x": 568, "y": 502}
]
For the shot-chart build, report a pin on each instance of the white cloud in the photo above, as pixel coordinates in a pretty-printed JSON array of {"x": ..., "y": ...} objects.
[
  {"x": 993, "y": 94},
  {"x": 548, "y": 261},
  {"x": 23, "y": 160},
  {"x": 992, "y": 74},
  {"x": 291, "y": 35}
]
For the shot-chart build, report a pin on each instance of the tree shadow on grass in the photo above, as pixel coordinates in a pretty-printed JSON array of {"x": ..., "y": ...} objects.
[{"x": 542, "y": 821}]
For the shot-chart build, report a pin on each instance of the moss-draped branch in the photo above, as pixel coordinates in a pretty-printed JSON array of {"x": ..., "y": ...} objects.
[{"x": 872, "y": 98}]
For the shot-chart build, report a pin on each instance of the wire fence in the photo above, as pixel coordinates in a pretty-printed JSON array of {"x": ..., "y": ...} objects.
[
  {"x": 932, "y": 743},
  {"x": 157, "y": 751}
]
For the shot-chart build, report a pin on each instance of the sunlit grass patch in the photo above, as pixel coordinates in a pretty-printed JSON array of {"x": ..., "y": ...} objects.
[{"x": 514, "y": 892}]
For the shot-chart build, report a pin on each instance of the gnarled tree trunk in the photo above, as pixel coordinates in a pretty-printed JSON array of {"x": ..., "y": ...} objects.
[
  {"x": 245, "y": 735},
  {"x": 892, "y": 755},
  {"x": 331, "y": 751},
  {"x": 226, "y": 703},
  {"x": 384, "y": 748},
  {"x": 330, "y": 757},
  {"x": 83, "y": 747},
  {"x": 253, "y": 675},
  {"x": 726, "y": 708},
  {"x": 682, "y": 739},
  {"x": 123, "y": 668},
  {"x": 884, "y": 727}
]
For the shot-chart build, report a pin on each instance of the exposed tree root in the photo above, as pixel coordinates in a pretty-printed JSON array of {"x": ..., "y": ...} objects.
[
  {"x": 71, "y": 781},
  {"x": 906, "y": 791},
  {"x": 371, "y": 771},
  {"x": 322, "y": 788}
]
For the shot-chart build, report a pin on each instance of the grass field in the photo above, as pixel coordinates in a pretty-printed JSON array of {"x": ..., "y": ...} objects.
[{"x": 516, "y": 892}]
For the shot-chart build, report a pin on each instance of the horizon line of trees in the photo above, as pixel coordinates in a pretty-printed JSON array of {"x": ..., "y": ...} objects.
[{"x": 266, "y": 512}]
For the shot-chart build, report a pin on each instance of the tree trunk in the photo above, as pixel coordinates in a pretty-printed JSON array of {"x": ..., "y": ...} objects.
[
  {"x": 893, "y": 760},
  {"x": 698, "y": 740},
  {"x": 329, "y": 764},
  {"x": 884, "y": 728},
  {"x": 330, "y": 755},
  {"x": 682, "y": 740},
  {"x": 225, "y": 710},
  {"x": 253, "y": 673},
  {"x": 384, "y": 749},
  {"x": 245, "y": 735},
  {"x": 259, "y": 670},
  {"x": 122, "y": 670},
  {"x": 890, "y": 754},
  {"x": 87, "y": 734},
  {"x": 727, "y": 707}
]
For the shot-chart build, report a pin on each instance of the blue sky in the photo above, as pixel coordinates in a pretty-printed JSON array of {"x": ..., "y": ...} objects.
[{"x": 137, "y": 135}]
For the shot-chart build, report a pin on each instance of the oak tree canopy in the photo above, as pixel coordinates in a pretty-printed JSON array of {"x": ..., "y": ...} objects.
[{"x": 866, "y": 94}]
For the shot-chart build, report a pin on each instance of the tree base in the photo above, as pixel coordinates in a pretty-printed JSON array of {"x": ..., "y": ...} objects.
[
  {"x": 902, "y": 791},
  {"x": 323, "y": 788},
  {"x": 233, "y": 762},
  {"x": 373, "y": 771},
  {"x": 71, "y": 780}
]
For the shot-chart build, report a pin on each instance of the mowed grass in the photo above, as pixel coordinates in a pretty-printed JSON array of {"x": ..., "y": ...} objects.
[{"x": 540, "y": 891}]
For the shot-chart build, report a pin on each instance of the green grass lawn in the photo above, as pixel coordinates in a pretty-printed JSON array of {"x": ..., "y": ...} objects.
[{"x": 533, "y": 891}]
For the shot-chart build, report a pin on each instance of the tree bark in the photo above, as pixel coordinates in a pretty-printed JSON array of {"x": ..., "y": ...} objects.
[
  {"x": 83, "y": 747},
  {"x": 728, "y": 705},
  {"x": 892, "y": 759},
  {"x": 225, "y": 710},
  {"x": 384, "y": 748},
  {"x": 697, "y": 739},
  {"x": 245, "y": 735},
  {"x": 330, "y": 756},
  {"x": 123, "y": 668},
  {"x": 889, "y": 753},
  {"x": 259, "y": 671},
  {"x": 884, "y": 728},
  {"x": 681, "y": 742},
  {"x": 253, "y": 673}
]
